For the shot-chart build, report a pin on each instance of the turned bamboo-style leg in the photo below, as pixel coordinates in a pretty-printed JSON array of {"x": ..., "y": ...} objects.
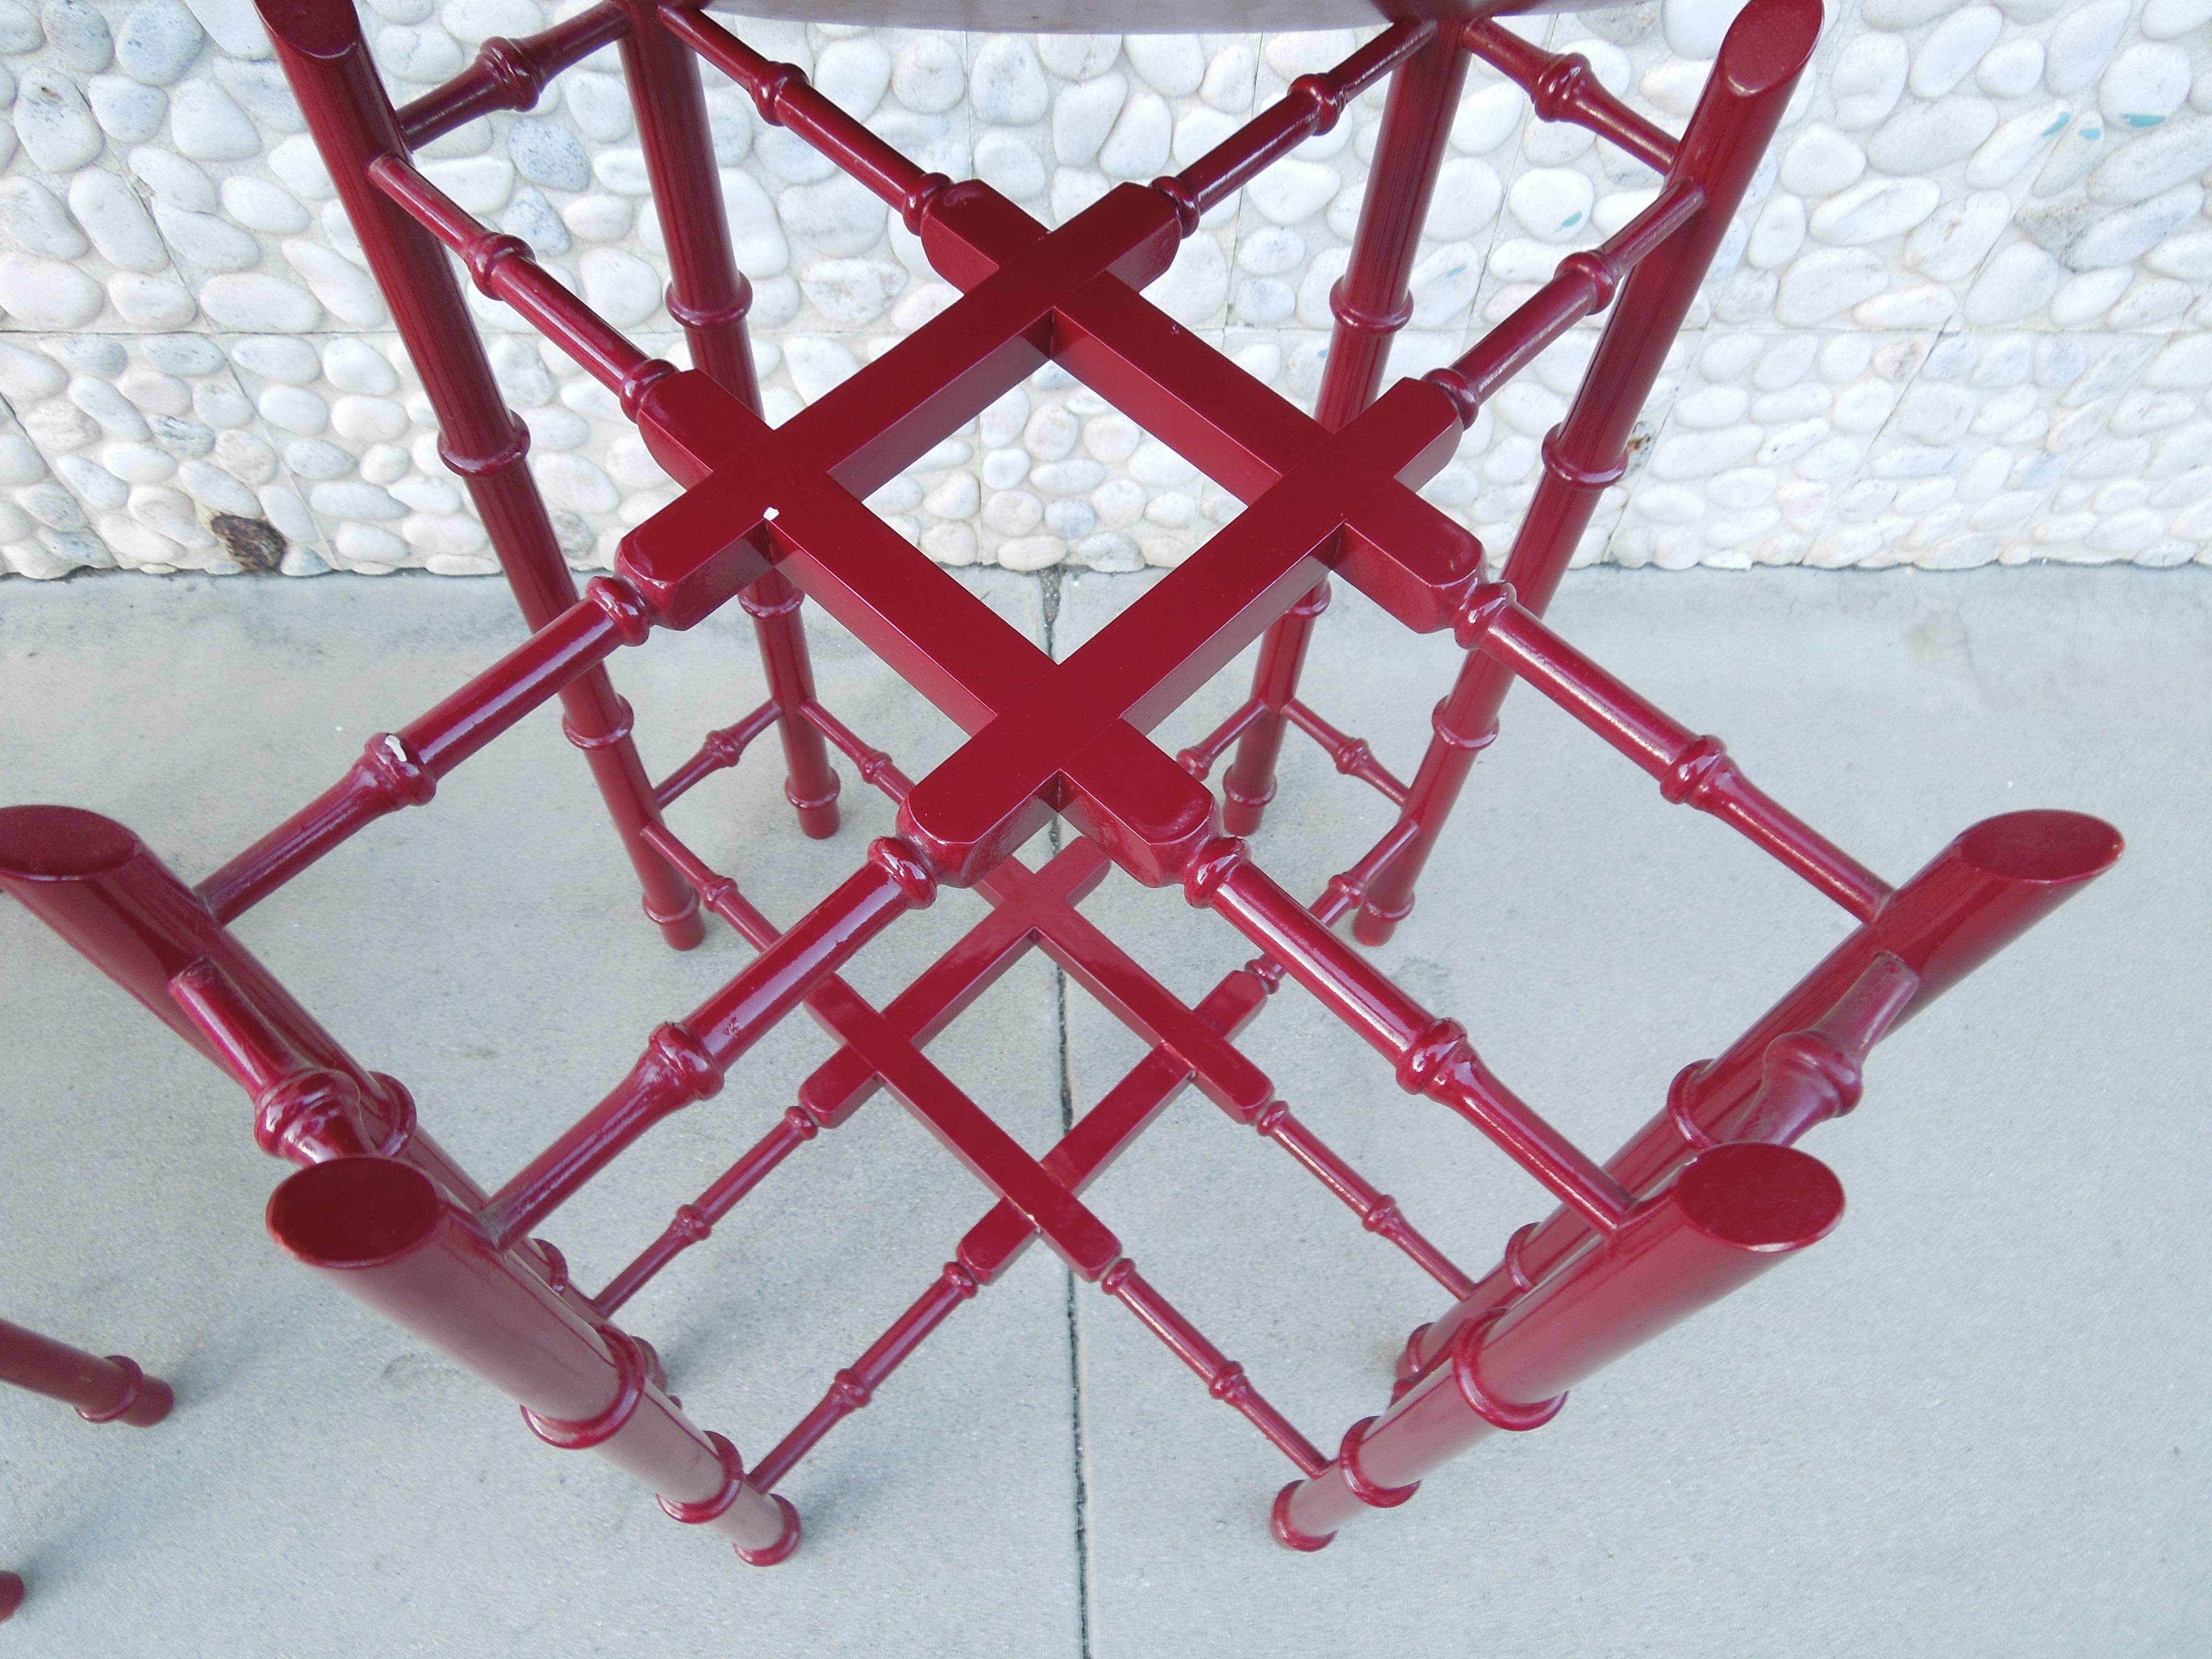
[
  {"x": 382, "y": 1233},
  {"x": 1372, "y": 303},
  {"x": 110, "y": 1390},
  {"x": 1767, "y": 50},
  {"x": 1787, "y": 1074},
  {"x": 113, "y": 1390},
  {"x": 320, "y": 46},
  {"x": 709, "y": 296},
  {"x": 1735, "y": 1213}
]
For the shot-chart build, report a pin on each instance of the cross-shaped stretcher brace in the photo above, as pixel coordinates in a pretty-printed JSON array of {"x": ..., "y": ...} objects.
[{"x": 1708, "y": 1194}]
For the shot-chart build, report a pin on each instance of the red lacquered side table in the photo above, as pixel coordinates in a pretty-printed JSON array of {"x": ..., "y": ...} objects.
[
  {"x": 1711, "y": 1192},
  {"x": 110, "y": 1390}
]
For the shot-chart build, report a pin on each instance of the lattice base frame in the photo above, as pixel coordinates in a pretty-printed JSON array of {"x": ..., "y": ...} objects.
[{"x": 1711, "y": 1193}]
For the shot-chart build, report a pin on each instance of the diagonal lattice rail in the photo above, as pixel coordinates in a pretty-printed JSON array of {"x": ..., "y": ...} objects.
[{"x": 1709, "y": 1194}]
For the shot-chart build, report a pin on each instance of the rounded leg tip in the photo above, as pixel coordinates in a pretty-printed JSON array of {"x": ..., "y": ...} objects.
[
  {"x": 1407, "y": 1371},
  {"x": 1240, "y": 817},
  {"x": 1372, "y": 929},
  {"x": 155, "y": 1398},
  {"x": 818, "y": 813},
  {"x": 11, "y": 1595},
  {"x": 145, "y": 1401},
  {"x": 1279, "y": 1522},
  {"x": 783, "y": 1546},
  {"x": 655, "y": 1372},
  {"x": 685, "y": 932},
  {"x": 61, "y": 844}
]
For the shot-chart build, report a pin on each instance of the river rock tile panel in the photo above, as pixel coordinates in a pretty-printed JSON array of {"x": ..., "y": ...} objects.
[{"x": 1959, "y": 323}]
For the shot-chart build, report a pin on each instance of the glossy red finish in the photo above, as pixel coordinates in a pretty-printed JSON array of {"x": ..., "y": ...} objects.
[
  {"x": 1691, "y": 770},
  {"x": 1703, "y": 1198},
  {"x": 1798, "y": 1064},
  {"x": 383, "y": 1232},
  {"x": 1370, "y": 302},
  {"x": 1764, "y": 53},
  {"x": 685, "y": 1063},
  {"x": 110, "y": 1390},
  {"x": 113, "y": 1390},
  {"x": 709, "y": 297},
  {"x": 510, "y": 73},
  {"x": 1564, "y": 88},
  {"x": 355, "y": 126},
  {"x": 1120, "y": 17},
  {"x": 1734, "y": 1213},
  {"x": 403, "y": 768}
]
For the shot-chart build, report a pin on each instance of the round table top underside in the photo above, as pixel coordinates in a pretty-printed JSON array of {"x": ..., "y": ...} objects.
[{"x": 1130, "y": 16}]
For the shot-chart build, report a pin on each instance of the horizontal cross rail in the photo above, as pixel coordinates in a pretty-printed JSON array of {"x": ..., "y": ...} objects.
[
  {"x": 1692, "y": 770},
  {"x": 403, "y": 768},
  {"x": 1352, "y": 754},
  {"x": 1377, "y": 1212},
  {"x": 876, "y": 769},
  {"x": 1585, "y": 283},
  {"x": 1348, "y": 887},
  {"x": 1313, "y": 105},
  {"x": 786, "y": 98},
  {"x": 1198, "y": 760},
  {"x": 1564, "y": 88},
  {"x": 722, "y": 749},
  {"x": 684, "y": 1063},
  {"x": 694, "y": 1222},
  {"x": 852, "y": 1387},
  {"x": 511, "y": 74},
  {"x": 1431, "y": 1056},
  {"x": 503, "y": 267},
  {"x": 1224, "y": 1378}
]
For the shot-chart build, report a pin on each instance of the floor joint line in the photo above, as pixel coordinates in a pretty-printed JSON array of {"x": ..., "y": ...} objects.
[{"x": 1049, "y": 592}]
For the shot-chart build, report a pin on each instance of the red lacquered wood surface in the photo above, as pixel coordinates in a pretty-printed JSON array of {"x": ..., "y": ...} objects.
[
  {"x": 103, "y": 1390},
  {"x": 1707, "y": 1195},
  {"x": 110, "y": 1389},
  {"x": 1119, "y": 16}
]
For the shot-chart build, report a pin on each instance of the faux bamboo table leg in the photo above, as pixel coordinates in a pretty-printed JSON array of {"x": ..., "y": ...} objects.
[
  {"x": 709, "y": 296},
  {"x": 114, "y": 1389},
  {"x": 1765, "y": 52},
  {"x": 1708, "y": 1195},
  {"x": 482, "y": 440},
  {"x": 1735, "y": 1213},
  {"x": 1371, "y": 303},
  {"x": 110, "y": 1390},
  {"x": 382, "y": 1233}
]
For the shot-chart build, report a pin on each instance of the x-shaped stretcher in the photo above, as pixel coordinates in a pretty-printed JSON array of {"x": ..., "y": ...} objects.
[{"x": 1708, "y": 1194}]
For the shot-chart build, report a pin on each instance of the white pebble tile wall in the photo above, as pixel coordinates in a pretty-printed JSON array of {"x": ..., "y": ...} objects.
[{"x": 1960, "y": 318}]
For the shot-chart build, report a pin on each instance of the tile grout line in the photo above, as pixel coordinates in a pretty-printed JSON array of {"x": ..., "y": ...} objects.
[
  {"x": 1074, "y": 1355},
  {"x": 1049, "y": 594}
]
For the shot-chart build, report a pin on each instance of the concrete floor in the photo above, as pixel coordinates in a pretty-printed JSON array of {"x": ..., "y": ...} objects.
[{"x": 1974, "y": 1420}]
